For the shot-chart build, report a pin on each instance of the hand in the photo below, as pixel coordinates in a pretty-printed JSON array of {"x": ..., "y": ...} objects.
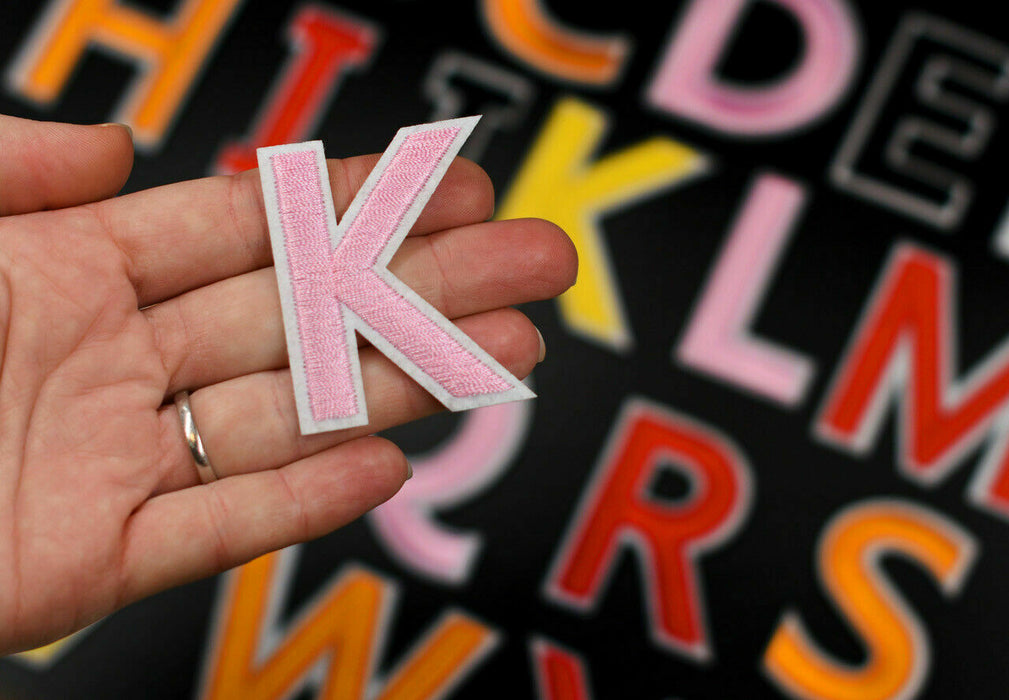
[{"x": 108, "y": 306}]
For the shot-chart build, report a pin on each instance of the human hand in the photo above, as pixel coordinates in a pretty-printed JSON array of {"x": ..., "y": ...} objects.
[{"x": 108, "y": 306}]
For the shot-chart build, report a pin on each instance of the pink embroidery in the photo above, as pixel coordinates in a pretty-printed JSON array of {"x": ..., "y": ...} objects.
[
  {"x": 320, "y": 323},
  {"x": 375, "y": 302},
  {"x": 333, "y": 280}
]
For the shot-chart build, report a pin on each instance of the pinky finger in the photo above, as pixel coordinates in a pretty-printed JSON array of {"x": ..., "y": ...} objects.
[{"x": 196, "y": 532}]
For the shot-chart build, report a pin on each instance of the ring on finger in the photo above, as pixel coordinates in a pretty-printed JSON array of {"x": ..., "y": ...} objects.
[{"x": 193, "y": 439}]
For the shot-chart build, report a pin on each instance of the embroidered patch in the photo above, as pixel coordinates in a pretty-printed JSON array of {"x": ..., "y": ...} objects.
[{"x": 333, "y": 280}]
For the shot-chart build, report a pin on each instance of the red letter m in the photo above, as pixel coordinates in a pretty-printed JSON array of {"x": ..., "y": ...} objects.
[{"x": 905, "y": 348}]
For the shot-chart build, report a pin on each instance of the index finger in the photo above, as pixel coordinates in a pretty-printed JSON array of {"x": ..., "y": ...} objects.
[{"x": 186, "y": 235}]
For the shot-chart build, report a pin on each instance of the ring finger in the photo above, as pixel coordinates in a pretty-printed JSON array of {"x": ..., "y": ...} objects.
[{"x": 249, "y": 423}]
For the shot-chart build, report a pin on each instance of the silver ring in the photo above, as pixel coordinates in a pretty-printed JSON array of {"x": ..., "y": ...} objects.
[{"x": 203, "y": 467}]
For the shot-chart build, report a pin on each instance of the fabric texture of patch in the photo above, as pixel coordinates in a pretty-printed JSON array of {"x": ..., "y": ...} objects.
[{"x": 333, "y": 280}]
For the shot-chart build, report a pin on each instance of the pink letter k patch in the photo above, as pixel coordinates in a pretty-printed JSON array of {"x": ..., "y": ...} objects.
[{"x": 333, "y": 280}]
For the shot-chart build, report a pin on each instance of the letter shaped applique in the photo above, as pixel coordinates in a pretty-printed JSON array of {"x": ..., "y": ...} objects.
[{"x": 333, "y": 280}]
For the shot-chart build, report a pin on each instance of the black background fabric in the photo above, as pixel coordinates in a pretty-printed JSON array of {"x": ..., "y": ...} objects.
[{"x": 662, "y": 250}]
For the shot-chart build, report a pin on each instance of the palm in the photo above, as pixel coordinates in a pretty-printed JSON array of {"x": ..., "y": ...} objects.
[
  {"x": 108, "y": 309},
  {"x": 81, "y": 419}
]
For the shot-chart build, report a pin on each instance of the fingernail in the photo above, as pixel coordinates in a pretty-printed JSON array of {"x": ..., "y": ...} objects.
[
  {"x": 543, "y": 346},
  {"x": 409, "y": 471},
  {"x": 121, "y": 125}
]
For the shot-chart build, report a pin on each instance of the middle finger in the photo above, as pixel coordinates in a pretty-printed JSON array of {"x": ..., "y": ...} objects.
[{"x": 234, "y": 327}]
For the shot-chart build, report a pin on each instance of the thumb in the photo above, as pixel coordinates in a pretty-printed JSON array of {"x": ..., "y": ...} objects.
[{"x": 48, "y": 165}]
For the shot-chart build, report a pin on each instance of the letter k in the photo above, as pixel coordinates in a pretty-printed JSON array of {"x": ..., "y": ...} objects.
[{"x": 333, "y": 280}]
